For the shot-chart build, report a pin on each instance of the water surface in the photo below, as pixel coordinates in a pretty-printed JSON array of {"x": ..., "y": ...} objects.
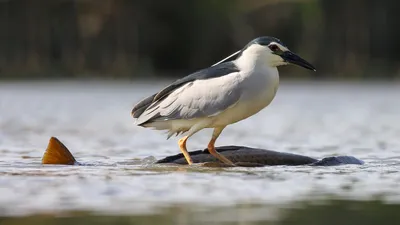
[{"x": 93, "y": 120}]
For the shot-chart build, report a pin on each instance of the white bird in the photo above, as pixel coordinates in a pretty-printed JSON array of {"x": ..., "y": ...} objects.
[{"x": 222, "y": 94}]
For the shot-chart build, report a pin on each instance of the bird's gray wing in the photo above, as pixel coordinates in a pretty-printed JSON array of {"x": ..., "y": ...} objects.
[
  {"x": 200, "y": 98},
  {"x": 212, "y": 72},
  {"x": 203, "y": 94}
]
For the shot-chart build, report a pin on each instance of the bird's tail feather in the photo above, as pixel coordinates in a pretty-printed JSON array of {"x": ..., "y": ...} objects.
[{"x": 141, "y": 106}]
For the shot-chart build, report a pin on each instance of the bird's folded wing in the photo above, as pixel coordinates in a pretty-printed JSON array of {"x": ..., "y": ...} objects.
[
  {"x": 220, "y": 70},
  {"x": 197, "y": 99}
]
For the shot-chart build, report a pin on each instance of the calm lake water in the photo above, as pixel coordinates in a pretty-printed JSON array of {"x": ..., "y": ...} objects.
[{"x": 93, "y": 120}]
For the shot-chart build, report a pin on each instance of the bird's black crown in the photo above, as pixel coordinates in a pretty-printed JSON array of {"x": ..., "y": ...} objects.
[{"x": 265, "y": 41}]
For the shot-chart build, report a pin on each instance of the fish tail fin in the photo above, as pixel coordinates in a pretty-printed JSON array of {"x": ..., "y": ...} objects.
[{"x": 57, "y": 153}]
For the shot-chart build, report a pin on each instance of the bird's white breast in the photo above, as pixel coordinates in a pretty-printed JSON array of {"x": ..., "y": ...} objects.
[{"x": 258, "y": 88}]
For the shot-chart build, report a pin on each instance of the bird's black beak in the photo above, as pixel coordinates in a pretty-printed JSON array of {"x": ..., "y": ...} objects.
[{"x": 290, "y": 57}]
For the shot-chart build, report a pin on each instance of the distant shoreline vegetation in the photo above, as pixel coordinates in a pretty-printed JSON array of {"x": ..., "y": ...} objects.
[{"x": 118, "y": 39}]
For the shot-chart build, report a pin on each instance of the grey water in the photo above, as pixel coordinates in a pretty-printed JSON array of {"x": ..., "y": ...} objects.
[{"x": 93, "y": 120}]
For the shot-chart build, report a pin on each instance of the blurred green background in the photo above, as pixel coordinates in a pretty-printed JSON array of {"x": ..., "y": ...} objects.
[{"x": 130, "y": 39}]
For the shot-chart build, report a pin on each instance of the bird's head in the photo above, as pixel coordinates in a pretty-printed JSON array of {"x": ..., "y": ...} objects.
[{"x": 272, "y": 51}]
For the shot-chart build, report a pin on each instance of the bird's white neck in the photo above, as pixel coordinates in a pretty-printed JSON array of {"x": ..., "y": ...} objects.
[
  {"x": 256, "y": 56},
  {"x": 261, "y": 65},
  {"x": 249, "y": 60}
]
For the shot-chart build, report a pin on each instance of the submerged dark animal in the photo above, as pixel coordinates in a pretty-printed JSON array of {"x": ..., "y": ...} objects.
[
  {"x": 57, "y": 153},
  {"x": 245, "y": 156}
]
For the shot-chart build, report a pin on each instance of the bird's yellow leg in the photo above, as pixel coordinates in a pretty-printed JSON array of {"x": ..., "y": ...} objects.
[
  {"x": 182, "y": 147},
  {"x": 211, "y": 147}
]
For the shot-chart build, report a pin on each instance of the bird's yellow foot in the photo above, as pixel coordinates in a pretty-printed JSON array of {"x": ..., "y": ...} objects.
[
  {"x": 182, "y": 147},
  {"x": 212, "y": 151}
]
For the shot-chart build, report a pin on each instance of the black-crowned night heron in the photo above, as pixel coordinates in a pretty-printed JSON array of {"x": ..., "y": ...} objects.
[{"x": 222, "y": 94}]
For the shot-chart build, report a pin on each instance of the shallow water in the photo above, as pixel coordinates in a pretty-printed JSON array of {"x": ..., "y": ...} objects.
[{"x": 93, "y": 120}]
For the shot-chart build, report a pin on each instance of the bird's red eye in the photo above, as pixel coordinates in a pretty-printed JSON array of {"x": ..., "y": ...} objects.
[{"x": 273, "y": 47}]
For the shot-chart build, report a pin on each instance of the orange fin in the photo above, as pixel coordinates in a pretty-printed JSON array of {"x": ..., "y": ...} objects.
[{"x": 57, "y": 153}]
